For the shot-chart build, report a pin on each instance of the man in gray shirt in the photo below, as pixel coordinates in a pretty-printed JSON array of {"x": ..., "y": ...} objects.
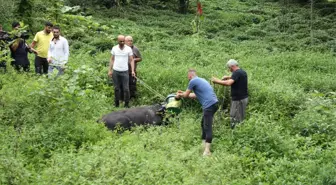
[{"x": 137, "y": 58}]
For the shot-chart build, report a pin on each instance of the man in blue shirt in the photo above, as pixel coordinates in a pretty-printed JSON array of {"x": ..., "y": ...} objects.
[{"x": 205, "y": 94}]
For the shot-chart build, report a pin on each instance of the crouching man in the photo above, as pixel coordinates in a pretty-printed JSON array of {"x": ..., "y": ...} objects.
[{"x": 207, "y": 97}]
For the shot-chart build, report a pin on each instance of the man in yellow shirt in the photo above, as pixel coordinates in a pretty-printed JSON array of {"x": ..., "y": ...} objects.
[{"x": 41, "y": 41}]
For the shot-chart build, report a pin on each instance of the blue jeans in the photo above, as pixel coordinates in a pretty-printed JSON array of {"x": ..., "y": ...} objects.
[{"x": 51, "y": 69}]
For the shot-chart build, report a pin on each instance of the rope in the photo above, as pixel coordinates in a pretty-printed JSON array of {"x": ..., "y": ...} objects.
[{"x": 149, "y": 88}]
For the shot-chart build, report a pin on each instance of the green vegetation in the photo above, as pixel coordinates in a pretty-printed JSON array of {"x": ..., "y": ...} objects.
[{"x": 48, "y": 129}]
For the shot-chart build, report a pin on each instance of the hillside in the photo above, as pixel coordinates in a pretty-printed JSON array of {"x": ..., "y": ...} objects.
[{"x": 48, "y": 130}]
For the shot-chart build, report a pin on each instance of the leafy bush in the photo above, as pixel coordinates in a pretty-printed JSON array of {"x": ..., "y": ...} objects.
[
  {"x": 256, "y": 32},
  {"x": 102, "y": 44},
  {"x": 7, "y": 10},
  {"x": 49, "y": 133}
]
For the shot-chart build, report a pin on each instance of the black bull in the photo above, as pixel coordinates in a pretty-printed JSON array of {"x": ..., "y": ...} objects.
[{"x": 145, "y": 115}]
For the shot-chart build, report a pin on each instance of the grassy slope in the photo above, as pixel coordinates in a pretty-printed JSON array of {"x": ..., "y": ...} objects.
[{"x": 288, "y": 137}]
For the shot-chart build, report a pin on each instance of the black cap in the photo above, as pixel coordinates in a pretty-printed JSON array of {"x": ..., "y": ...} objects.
[{"x": 15, "y": 24}]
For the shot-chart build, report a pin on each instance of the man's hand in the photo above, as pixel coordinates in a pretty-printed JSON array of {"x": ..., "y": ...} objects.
[
  {"x": 110, "y": 73},
  {"x": 226, "y": 77},
  {"x": 49, "y": 60},
  {"x": 179, "y": 94},
  {"x": 133, "y": 73},
  {"x": 215, "y": 80}
]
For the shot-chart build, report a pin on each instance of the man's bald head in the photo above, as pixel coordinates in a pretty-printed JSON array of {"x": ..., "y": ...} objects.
[
  {"x": 121, "y": 40},
  {"x": 129, "y": 40}
]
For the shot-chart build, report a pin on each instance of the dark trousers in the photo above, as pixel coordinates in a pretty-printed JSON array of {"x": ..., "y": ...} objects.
[
  {"x": 121, "y": 81},
  {"x": 41, "y": 65},
  {"x": 18, "y": 67},
  {"x": 207, "y": 120},
  {"x": 132, "y": 88},
  {"x": 3, "y": 65}
]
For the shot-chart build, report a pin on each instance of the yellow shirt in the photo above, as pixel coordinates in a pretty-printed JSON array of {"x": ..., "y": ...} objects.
[{"x": 42, "y": 43}]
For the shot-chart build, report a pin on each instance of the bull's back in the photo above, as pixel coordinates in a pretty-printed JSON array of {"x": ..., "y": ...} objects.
[{"x": 131, "y": 117}]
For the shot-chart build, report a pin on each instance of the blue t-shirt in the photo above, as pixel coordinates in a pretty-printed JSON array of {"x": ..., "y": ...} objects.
[{"x": 204, "y": 92}]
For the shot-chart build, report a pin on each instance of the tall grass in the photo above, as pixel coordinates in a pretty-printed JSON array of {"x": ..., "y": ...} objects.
[{"x": 49, "y": 133}]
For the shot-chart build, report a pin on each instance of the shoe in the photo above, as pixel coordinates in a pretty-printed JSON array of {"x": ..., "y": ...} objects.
[
  {"x": 205, "y": 153},
  {"x": 207, "y": 149},
  {"x": 127, "y": 105},
  {"x": 233, "y": 125},
  {"x": 116, "y": 104}
]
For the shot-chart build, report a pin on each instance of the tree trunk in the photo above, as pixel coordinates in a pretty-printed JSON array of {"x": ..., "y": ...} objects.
[{"x": 183, "y": 6}]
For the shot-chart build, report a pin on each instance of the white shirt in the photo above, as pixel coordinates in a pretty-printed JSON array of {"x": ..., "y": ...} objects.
[
  {"x": 121, "y": 57},
  {"x": 59, "y": 51}
]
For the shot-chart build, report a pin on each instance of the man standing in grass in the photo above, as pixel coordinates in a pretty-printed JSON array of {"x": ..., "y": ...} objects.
[
  {"x": 137, "y": 58},
  {"x": 58, "y": 52},
  {"x": 118, "y": 69},
  {"x": 4, "y": 39},
  {"x": 207, "y": 97},
  {"x": 19, "y": 49},
  {"x": 239, "y": 94},
  {"x": 41, "y": 41}
]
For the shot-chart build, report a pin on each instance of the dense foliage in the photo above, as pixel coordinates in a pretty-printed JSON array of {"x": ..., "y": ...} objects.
[{"x": 48, "y": 129}]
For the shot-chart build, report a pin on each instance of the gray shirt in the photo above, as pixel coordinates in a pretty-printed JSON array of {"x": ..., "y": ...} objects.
[{"x": 136, "y": 54}]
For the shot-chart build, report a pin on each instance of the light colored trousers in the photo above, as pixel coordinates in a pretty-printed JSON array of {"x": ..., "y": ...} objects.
[
  {"x": 51, "y": 69},
  {"x": 238, "y": 111}
]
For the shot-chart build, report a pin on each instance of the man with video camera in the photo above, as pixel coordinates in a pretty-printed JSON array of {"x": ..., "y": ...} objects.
[
  {"x": 4, "y": 39},
  {"x": 19, "y": 49}
]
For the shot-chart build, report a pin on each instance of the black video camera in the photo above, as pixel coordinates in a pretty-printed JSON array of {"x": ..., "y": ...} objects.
[
  {"x": 23, "y": 35},
  {"x": 4, "y": 36}
]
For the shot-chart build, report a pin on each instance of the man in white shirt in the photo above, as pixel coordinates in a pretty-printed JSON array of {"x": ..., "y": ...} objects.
[
  {"x": 58, "y": 52},
  {"x": 118, "y": 69}
]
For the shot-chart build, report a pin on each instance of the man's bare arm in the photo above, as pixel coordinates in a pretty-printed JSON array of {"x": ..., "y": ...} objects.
[
  {"x": 131, "y": 61},
  {"x": 33, "y": 44},
  {"x": 136, "y": 60},
  {"x": 228, "y": 82},
  {"x": 110, "y": 69},
  {"x": 185, "y": 94}
]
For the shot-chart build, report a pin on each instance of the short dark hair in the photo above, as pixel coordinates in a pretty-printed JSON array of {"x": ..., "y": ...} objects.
[
  {"x": 15, "y": 24},
  {"x": 56, "y": 27},
  {"x": 191, "y": 70},
  {"x": 47, "y": 23}
]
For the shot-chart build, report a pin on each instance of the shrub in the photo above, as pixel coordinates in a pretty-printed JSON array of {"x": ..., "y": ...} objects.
[{"x": 102, "y": 44}]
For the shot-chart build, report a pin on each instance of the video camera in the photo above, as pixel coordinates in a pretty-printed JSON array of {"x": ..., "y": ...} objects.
[
  {"x": 23, "y": 35},
  {"x": 7, "y": 37},
  {"x": 4, "y": 36}
]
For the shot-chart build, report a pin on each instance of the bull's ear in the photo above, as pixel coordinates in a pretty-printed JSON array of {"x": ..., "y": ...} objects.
[{"x": 161, "y": 110}]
